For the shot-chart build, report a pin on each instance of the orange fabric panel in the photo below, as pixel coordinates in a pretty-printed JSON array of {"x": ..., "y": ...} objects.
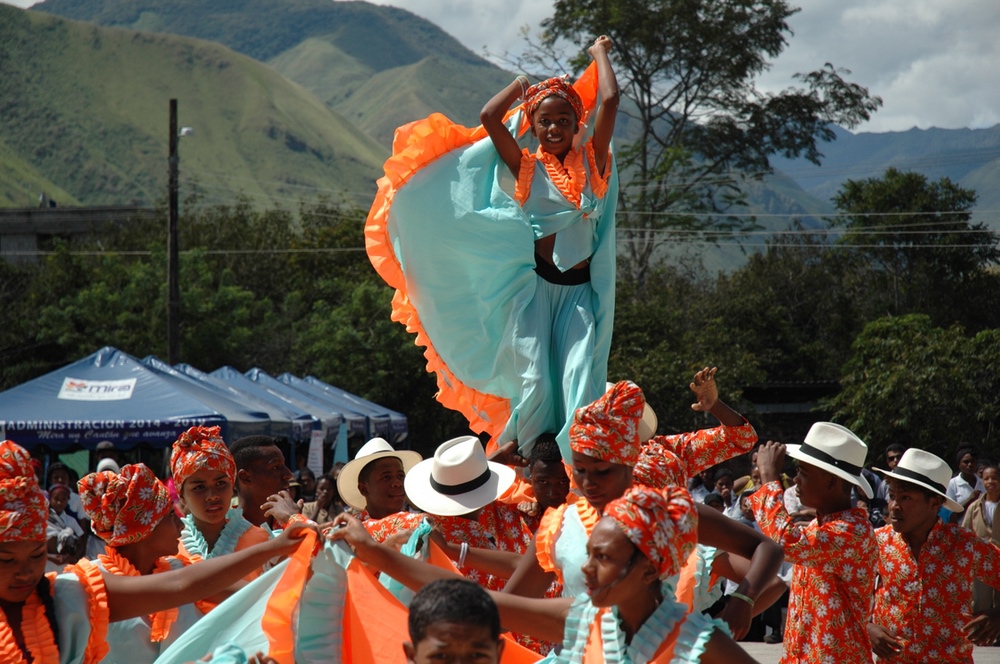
[
  {"x": 281, "y": 605},
  {"x": 374, "y": 621}
]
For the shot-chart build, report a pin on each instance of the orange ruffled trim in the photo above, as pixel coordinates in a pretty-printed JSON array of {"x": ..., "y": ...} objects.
[
  {"x": 569, "y": 176},
  {"x": 598, "y": 181},
  {"x": 161, "y": 621},
  {"x": 545, "y": 539},
  {"x": 36, "y": 630},
  {"x": 92, "y": 581},
  {"x": 416, "y": 145}
]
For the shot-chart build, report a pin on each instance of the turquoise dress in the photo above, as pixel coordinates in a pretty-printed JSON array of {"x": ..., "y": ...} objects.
[
  {"x": 129, "y": 639},
  {"x": 515, "y": 353},
  {"x": 692, "y": 638}
]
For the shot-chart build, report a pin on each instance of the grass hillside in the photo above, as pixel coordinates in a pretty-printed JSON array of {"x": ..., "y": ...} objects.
[
  {"x": 85, "y": 113},
  {"x": 380, "y": 66}
]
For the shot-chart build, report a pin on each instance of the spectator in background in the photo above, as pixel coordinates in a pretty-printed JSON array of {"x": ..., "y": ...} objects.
[
  {"x": 307, "y": 484},
  {"x": 106, "y": 450},
  {"x": 965, "y": 487},
  {"x": 980, "y": 518},
  {"x": 60, "y": 473},
  {"x": 66, "y": 539},
  {"x": 327, "y": 504},
  {"x": 715, "y": 501},
  {"x": 724, "y": 487}
]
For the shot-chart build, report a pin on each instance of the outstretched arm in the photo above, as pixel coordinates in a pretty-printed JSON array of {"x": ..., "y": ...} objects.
[
  {"x": 133, "y": 596},
  {"x": 492, "y": 118},
  {"x": 604, "y": 124},
  {"x": 541, "y": 618},
  {"x": 718, "y": 530}
]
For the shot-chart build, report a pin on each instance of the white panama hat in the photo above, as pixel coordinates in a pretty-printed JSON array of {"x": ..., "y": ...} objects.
[
  {"x": 926, "y": 470},
  {"x": 835, "y": 449},
  {"x": 373, "y": 450},
  {"x": 458, "y": 479}
]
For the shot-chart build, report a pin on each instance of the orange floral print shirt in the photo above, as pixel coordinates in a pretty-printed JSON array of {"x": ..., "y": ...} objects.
[
  {"x": 926, "y": 601},
  {"x": 830, "y": 599}
]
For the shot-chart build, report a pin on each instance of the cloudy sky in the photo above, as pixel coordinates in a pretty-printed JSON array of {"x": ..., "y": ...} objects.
[{"x": 933, "y": 62}]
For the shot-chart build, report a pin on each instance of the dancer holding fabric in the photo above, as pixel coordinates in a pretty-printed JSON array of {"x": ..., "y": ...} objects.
[
  {"x": 625, "y": 616},
  {"x": 133, "y": 514},
  {"x": 205, "y": 474},
  {"x": 45, "y": 618},
  {"x": 513, "y": 296}
]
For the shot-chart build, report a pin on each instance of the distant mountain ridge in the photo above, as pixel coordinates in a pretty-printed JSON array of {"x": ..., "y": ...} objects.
[
  {"x": 377, "y": 67},
  {"x": 85, "y": 119}
]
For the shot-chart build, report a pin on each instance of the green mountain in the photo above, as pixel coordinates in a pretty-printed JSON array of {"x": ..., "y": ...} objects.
[
  {"x": 379, "y": 66},
  {"x": 970, "y": 157},
  {"x": 85, "y": 112}
]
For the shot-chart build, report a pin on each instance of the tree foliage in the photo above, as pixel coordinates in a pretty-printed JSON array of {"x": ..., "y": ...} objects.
[
  {"x": 699, "y": 125},
  {"x": 912, "y": 383},
  {"x": 920, "y": 247}
]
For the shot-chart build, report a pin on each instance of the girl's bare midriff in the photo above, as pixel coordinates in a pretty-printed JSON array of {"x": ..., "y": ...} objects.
[{"x": 544, "y": 246}]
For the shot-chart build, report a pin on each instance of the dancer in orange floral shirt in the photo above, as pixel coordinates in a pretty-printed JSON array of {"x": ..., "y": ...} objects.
[
  {"x": 923, "y": 603},
  {"x": 834, "y": 555},
  {"x": 373, "y": 484}
]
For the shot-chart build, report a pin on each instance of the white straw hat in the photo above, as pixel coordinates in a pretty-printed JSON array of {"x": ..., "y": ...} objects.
[
  {"x": 373, "y": 450},
  {"x": 458, "y": 479},
  {"x": 926, "y": 470},
  {"x": 836, "y": 450}
]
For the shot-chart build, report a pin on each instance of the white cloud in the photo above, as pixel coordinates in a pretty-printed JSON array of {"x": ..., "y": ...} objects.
[{"x": 931, "y": 61}]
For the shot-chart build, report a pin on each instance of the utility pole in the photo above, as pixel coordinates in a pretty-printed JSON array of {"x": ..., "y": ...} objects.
[{"x": 173, "y": 253}]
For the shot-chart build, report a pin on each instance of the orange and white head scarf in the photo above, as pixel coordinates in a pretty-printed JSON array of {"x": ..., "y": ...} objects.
[
  {"x": 24, "y": 508},
  {"x": 557, "y": 86},
  {"x": 201, "y": 448},
  {"x": 608, "y": 429},
  {"x": 124, "y": 507},
  {"x": 663, "y": 524}
]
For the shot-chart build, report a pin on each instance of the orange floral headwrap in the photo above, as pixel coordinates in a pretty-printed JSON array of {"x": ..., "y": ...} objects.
[
  {"x": 24, "y": 509},
  {"x": 608, "y": 429},
  {"x": 655, "y": 467},
  {"x": 558, "y": 86},
  {"x": 124, "y": 507},
  {"x": 201, "y": 448},
  {"x": 661, "y": 524}
]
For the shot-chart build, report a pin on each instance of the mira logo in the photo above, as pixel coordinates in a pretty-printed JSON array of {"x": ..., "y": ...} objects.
[{"x": 79, "y": 389}]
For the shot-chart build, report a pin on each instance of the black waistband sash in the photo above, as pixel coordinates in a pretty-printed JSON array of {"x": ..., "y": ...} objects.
[{"x": 553, "y": 275}]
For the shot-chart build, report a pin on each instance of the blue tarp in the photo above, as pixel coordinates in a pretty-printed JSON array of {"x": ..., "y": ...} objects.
[
  {"x": 286, "y": 420},
  {"x": 108, "y": 395},
  {"x": 357, "y": 422},
  {"x": 329, "y": 424},
  {"x": 398, "y": 427}
]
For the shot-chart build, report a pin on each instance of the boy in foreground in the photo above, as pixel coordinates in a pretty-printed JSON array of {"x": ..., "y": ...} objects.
[{"x": 454, "y": 620}]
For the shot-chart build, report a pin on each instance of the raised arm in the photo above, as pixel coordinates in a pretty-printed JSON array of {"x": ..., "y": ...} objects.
[
  {"x": 492, "y": 118},
  {"x": 133, "y": 596},
  {"x": 604, "y": 123}
]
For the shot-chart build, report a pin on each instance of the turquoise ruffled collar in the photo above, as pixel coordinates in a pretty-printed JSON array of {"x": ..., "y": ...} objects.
[{"x": 194, "y": 542}]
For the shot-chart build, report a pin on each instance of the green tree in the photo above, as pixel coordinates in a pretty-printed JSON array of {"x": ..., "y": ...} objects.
[
  {"x": 699, "y": 125},
  {"x": 914, "y": 248},
  {"x": 912, "y": 383}
]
